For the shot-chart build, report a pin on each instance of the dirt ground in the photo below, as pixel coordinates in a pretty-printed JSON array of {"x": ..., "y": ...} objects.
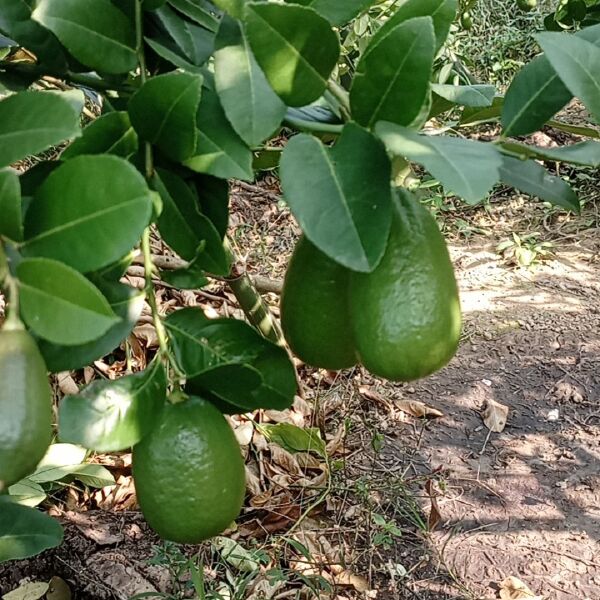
[{"x": 413, "y": 508}]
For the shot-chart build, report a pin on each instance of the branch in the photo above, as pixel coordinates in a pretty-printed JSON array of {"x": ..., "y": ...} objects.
[{"x": 264, "y": 285}]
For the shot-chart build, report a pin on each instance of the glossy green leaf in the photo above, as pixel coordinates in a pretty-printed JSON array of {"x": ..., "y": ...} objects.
[
  {"x": 466, "y": 95},
  {"x": 531, "y": 178},
  {"x": 100, "y": 198},
  {"x": 195, "y": 42},
  {"x": 26, "y": 531},
  {"x": 590, "y": 132},
  {"x": 92, "y": 475},
  {"x": 95, "y": 32},
  {"x": 185, "y": 229},
  {"x": 15, "y": 21},
  {"x": 485, "y": 114},
  {"x": 295, "y": 47},
  {"x": 295, "y": 439},
  {"x": 126, "y": 302},
  {"x": 537, "y": 93},
  {"x": 111, "y": 133},
  {"x": 163, "y": 111},
  {"x": 58, "y": 463},
  {"x": 219, "y": 150},
  {"x": 584, "y": 153},
  {"x": 31, "y": 122},
  {"x": 466, "y": 167},
  {"x": 190, "y": 277},
  {"x": 195, "y": 11},
  {"x": 213, "y": 200},
  {"x": 107, "y": 416},
  {"x": 442, "y": 12},
  {"x": 235, "y": 8},
  {"x": 27, "y": 493},
  {"x": 342, "y": 212},
  {"x": 336, "y": 12},
  {"x": 392, "y": 77},
  {"x": 170, "y": 55},
  {"x": 61, "y": 305},
  {"x": 11, "y": 225},
  {"x": 577, "y": 63},
  {"x": 237, "y": 75},
  {"x": 232, "y": 360}
]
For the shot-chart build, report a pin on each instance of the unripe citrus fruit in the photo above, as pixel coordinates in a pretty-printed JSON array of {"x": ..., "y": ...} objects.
[
  {"x": 405, "y": 315},
  {"x": 314, "y": 309},
  {"x": 189, "y": 473},
  {"x": 25, "y": 406}
]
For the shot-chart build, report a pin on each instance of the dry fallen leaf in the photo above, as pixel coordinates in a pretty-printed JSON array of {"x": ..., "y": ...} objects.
[
  {"x": 360, "y": 584},
  {"x": 370, "y": 394},
  {"x": 28, "y": 591},
  {"x": 418, "y": 409},
  {"x": 435, "y": 516},
  {"x": 495, "y": 415},
  {"x": 513, "y": 588}
]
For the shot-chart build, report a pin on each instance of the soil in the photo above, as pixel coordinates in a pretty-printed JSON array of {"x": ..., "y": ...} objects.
[{"x": 427, "y": 508}]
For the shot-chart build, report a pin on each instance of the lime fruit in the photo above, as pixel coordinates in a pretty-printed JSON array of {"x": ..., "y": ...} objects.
[
  {"x": 405, "y": 315},
  {"x": 314, "y": 309},
  {"x": 25, "y": 406},
  {"x": 189, "y": 473}
]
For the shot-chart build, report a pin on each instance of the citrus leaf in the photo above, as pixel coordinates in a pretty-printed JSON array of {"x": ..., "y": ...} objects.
[
  {"x": 126, "y": 302},
  {"x": 184, "y": 228},
  {"x": 107, "y": 416},
  {"x": 392, "y": 76},
  {"x": 193, "y": 10},
  {"x": 219, "y": 150},
  {"x": 196, "y": 43},
  {"x": 234, "y": 7},
  {"x": 163, "y": 111},
  {"x": 584, "y": 153},
  {"x": 237, "y": 75},
  {"x": 191, "y": 277},
  {"x": 15, "y": 21},
  {"x": 232, "y": 360},
  {"x": 295, "y": 439},
  {"x": 537, "y": 93},
  {"x": 10, "y": 206},
  {"x": 531, "y": 178},
  {"x": 171, "y": 56},
  {"x": 95, "y": 32},
  {"x": 466, "y": 167},
  {"x": 346, "y": 215},
  {"x": 111, "y": 133},
  {"x": 576, "y": 62},
  {"x": 484, "y": 114},
  {"x": 295, "y": 47},
  {"x": 27, "y": 493},
  {"x": 336, "y": 12},
  {"x": 92, "y": 475},
  {"x": 26, "y": 531},
  {"x": 100, "y": 198},
  {"x": 466, "y": 95},
  {"x": 213, "y": 199},
  {"x": 61, "y": 305},
  {"x": 442, "y": 13},
  {"x": 58, "y": 462},
  {"x": 31, "y": 122}
]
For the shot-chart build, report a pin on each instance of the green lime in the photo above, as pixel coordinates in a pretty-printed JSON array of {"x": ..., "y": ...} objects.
[
  {"x": 314, "y": 309},
  {"x": 25, "y": 406},
  {"x": 527, "y": 5},
  {"x": 189, "y": 473},
  {"x": 466, "y": 20},
  {"x": 405, "y": 315}
]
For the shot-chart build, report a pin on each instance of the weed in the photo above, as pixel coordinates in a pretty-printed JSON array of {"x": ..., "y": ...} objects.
[{"x": 524, "y": 250}]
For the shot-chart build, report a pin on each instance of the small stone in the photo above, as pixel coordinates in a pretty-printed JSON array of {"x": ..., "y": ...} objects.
[
  {"x": 486, "y": 382},
  {"x": 553, "y": 415},
  {"x": 487, "y": 335}
]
